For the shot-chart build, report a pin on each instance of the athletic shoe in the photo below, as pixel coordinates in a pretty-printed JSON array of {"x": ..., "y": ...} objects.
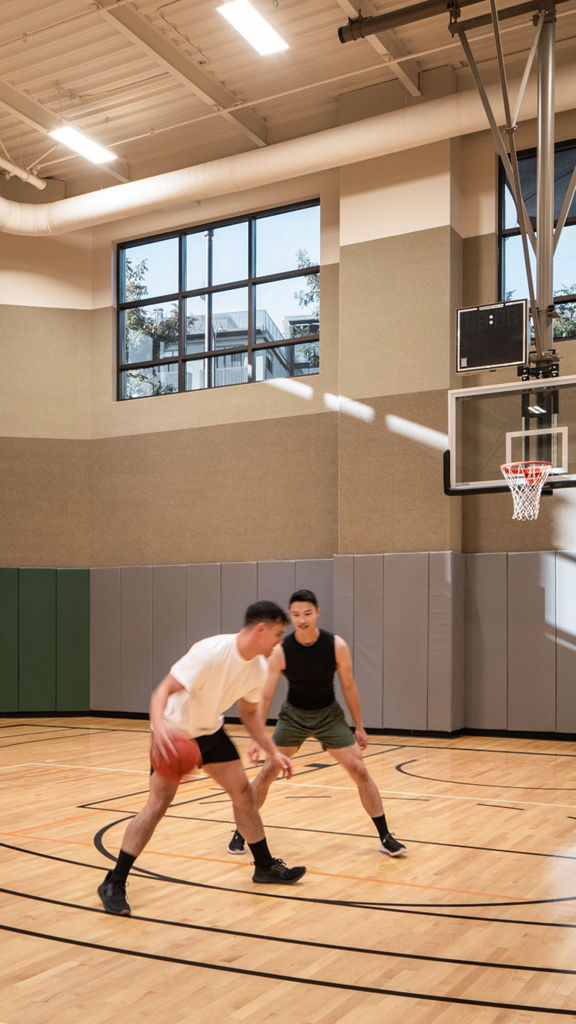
[
  {"x": 391, "y": 846},
  {"x": 278, "y": 872},
  {"x": 237, "y": 844},
  {"x": 112, "y": 892}
]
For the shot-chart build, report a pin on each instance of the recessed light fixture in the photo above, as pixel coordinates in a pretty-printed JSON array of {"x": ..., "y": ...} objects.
[
  {"x": 255, "y": 29},
  {"x": 80, "y": 144}
]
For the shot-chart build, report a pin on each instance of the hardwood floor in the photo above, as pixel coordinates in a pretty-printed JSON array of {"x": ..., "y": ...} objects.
[{"x": 476, "y": 923}]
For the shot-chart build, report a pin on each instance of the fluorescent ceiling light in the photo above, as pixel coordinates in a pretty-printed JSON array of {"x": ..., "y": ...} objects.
[
  {"x": 80, "y": 144},
  {"x": 255, "y": 29}
]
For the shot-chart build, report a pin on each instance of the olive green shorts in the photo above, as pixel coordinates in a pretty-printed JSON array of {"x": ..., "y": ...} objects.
[{"x": 327, "y": 725}]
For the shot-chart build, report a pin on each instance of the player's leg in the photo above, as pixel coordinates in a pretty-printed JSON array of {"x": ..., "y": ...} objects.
[
  {"x": 231, "y": 776},
  {"x": 112, "y": 891},
  {"x": 350, "y": 757},
  {"x": 289, "y": 733},
  {"x": 259, "y": 786}
]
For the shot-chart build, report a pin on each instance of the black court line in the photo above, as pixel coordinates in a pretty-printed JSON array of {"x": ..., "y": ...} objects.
[
  {"x": 305, "y": 943},
  {"x": 431, "y": 910},
  {"x": 330, "y": 832},
  {"x": 483, "y": 785},
  {"x": 489, "y": 750},
  {"x": 502, "y": 807},
  {"x": 294, "y": 979}
]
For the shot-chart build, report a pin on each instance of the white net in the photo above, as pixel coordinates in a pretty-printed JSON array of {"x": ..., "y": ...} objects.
[{"x": 526, "y": 480}]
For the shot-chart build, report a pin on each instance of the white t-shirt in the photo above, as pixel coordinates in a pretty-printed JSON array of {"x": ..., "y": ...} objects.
[{"x": 214, "y": 675}]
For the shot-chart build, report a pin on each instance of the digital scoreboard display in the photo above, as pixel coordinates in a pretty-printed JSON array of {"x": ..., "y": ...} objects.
[{"x": 492, "y": 336}]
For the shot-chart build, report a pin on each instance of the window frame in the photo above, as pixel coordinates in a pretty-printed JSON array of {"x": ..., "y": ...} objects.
[
  {"x": 503, "y": 233},
  {"x": 251, "y": 282}
]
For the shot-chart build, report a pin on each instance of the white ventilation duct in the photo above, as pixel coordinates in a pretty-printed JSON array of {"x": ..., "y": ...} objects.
[{"x": 418, "y": 125}]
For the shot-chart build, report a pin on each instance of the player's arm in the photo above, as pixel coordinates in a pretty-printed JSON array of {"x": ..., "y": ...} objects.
[
  {"x": 276, "y": 665},
  {"x": 349, "y": 689},
  {"x": 251, "y": 715},
  {"x": 159, "y": 699}
]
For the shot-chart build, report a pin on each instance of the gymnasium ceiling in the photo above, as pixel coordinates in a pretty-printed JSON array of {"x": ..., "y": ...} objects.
[{"x": 169, "y": 84}]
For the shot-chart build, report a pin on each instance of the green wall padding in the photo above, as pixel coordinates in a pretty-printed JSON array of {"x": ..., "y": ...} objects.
[
  {"x": 37, "y": 640},
  {"x": 8, "y": 639},
  {"x": 73, "y": 640}
]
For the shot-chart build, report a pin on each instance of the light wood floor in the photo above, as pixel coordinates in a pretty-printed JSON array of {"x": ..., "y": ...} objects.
[{"x": 476, "y": 924}]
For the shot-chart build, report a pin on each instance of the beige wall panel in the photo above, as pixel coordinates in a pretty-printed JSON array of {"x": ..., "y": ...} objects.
[
  {"x": 44, "y": 503},
  {"x": 395, "y": 194},
  {"x": 238, "y": 492},
  {"x": 214, "y": 406},
  {"x": 480, "y": 274},
  {"x": 46, "y": 360},
  {"x": 487, "y": 524},
  {"x": 396, "y": 316},
  {"x": 391, "y": 486},
  {"x": 46, "y": 272},
  {"x": 477, "y": 185}
]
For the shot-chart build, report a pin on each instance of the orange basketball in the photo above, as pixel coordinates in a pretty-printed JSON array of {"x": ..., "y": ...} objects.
[{"x": 187, "y": 758}]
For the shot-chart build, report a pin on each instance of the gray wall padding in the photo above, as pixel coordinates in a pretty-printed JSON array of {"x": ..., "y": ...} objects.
[
  {"x": 486, "y": 642},
  {"x": 439, "y": 640},
  {"x": 532, "y": 641},
  {"x": 566, "y": 640}
]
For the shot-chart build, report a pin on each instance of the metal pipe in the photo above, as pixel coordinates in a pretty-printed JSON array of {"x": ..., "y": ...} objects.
[
  {"x": 358, "y": 28},
  {"x": 545, "y": 186},
  {"x": 19, "y": 172}
]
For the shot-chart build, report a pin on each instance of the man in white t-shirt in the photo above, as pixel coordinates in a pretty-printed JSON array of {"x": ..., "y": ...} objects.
[{"x": 192, "y": 700}]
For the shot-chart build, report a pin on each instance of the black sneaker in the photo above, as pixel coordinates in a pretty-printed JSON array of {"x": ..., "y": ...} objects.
[
  {"x": 237, "y": 844},
  {"x": 391, "y": 846},
  {"x": 278, "y": 872},
  {"x": 112, "y": 892}
]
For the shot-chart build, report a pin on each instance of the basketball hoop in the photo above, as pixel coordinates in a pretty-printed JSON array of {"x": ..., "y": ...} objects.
[{"x": 526, "y": 480}]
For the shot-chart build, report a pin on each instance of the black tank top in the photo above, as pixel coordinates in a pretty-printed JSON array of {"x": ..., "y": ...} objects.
[{"x": 310, "y": 671}]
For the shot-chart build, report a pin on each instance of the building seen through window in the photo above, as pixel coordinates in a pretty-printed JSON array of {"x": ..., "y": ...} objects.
[{"x": 224, "y": 304}]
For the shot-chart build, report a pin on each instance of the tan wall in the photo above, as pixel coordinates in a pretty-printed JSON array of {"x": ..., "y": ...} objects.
[
  {"x": 45, "y": 502},
  {"x": 250, "y": 472}
]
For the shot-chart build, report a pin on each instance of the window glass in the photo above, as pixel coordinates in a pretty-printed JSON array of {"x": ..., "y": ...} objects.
[
  {"x": 230, "y": 318},
  {"x": 148, "y": 270},
  {"x": 149, "y": 332},
  {"x": 196, "y": 254},
  {"x": 216, "y": 372},
  {"x": 196, "y": 321},
  {"x": 197, "y": 309},
  {"x": 146, "y": 381},
  {"x": 288, "y": 308},
  {"x": 286, "y": 361},
  {"x": 287, "y": 241},
  {"x": 230, "y": 253}
]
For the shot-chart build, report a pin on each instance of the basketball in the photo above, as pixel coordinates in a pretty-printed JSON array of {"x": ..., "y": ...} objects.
[{"x": 185, "y": 759}]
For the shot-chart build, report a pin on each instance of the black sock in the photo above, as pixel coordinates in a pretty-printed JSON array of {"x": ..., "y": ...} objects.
[
  {"x": 123, "y": 865},
  {"x": 381, "y": 825},
  {"x": 262, "y": 856}
]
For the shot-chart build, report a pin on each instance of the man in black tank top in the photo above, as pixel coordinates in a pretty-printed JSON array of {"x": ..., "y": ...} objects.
[{"x": 309, "y": 658}]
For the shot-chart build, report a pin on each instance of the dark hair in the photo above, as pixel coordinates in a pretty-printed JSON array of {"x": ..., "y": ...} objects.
[
  {"x": 304, "y": 595},
  {"x": 264, "y": 611}
]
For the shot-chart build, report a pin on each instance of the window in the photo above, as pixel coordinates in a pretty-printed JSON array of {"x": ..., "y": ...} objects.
[
  {"x": 513, "y": 282},
  {"x": 227, "y": 303}
]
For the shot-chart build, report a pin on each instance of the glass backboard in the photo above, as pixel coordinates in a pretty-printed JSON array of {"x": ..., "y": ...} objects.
[{"x": 525, "y": 421}]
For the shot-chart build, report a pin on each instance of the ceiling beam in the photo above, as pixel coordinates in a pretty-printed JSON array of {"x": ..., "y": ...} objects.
[
  {"x": 141, "y": 32},
  {"x": 44, "y": 121},
  {"x": 386, "y": 44}
]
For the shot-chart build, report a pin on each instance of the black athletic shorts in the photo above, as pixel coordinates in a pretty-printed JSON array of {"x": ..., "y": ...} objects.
[{"x": 217, "y": 747}]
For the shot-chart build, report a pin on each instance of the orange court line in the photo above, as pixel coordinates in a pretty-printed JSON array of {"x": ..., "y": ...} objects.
[
  {"x": 320, "y": 874},
  {"x": 58, "y": 821}
]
